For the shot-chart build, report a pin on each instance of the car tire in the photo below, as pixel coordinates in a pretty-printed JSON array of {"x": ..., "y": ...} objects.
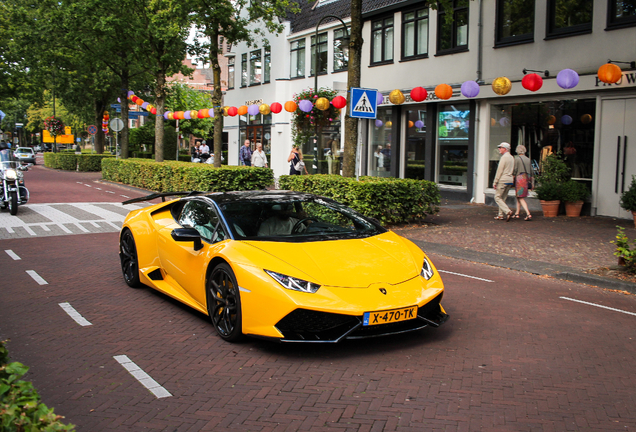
[
  {"x": 13, "y": 203},
  {"x": 224, "y": 303},
  {"x": 129, "y": 260}
]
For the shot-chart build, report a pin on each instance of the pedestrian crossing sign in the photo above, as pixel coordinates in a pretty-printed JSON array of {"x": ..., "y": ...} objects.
[{"x": 363, "y": 103}]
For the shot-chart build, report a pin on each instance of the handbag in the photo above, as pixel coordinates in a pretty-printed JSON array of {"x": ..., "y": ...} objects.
[
  {"x": 529, "y": 176},
  {"x": 299, "y": 166}
]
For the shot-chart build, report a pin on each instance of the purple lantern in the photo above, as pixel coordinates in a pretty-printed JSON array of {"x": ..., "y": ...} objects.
[
  {"x": 420, "y": 124},
  {"x": 144, "y": 105},
  {"x": 470, "y": 89},
  {"x": 566, "y": 120},
  {"x": 119, "y": 100},
  {"x": 253, "y": 109},
  {"x": 379, "y": 98},
  {"x": 504, "y": 121},
  {"x": 186, "y": 115},
  {"x": 378, "y": 123},
  {"x": 165, "y": 115},
  {"x": 567, "y": 79},
  {"x": 130, "y": 93},
  {"x": 211, "y": 112},
  {"x": 305, "y": 105}
]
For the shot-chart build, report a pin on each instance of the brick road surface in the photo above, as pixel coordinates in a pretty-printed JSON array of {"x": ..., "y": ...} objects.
[{"x": 513, "y": 357}]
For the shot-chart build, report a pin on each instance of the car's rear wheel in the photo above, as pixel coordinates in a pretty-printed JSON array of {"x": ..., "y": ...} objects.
[
  {"x": 224, "y": 303},
  {"x": 129, "y": 261}
]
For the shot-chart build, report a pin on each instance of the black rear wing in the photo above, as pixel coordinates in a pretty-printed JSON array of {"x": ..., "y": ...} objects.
[{"x": 161, "y": 195}]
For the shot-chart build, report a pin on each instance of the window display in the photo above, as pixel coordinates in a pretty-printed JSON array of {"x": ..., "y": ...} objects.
[{"x": 452, "y": 136}]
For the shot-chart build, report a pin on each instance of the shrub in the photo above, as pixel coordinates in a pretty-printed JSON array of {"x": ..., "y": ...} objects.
[
  {"x": 21, "y": 408},
  {"x": 72, "y": 162},
  {"x": 554, "y": 169},
  {"x": 624, "y": 251},
  {"x": 628, "y": 198},
  {"x": 573, "y": 191},
  {"x": 548, "y": 191},
  {"x": 388, "y": 200},
  {"x": 172, "y": 176}
]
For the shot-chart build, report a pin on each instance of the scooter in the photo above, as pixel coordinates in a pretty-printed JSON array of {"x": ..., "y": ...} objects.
[{"x": 12, "y": 190}]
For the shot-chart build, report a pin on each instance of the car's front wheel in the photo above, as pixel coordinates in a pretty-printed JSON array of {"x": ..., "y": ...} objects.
[
  {"x": 224, "y": 303},
  {"x": 129, "y": 260}
]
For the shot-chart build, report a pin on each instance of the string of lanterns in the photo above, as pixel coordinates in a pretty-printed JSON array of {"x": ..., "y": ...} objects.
[
  {"x": 105, "y": 122},
  {"x": 567, "y": 79}
]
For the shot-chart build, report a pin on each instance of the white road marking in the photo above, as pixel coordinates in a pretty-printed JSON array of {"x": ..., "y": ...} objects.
[
  {"x": 29, "y": 230},
  {"x": 77, "y": 224},
  {"x": 36, "y": 277},
  {"x": 109, "y": 192},
  {"x": 98, "y": 188},
  {"x": 463, "y": 275},
  {"x": 63, "y": 228},
  {"x": 70, "y": 310},
  {"x": 87, "y": 185},
  {"x": 141, "y": 376},
  {"x": 45, "y": 228},
  {"x": 124, "y": 196},
  {"x": 13, "y": 255},
  {"x": 598, "y": 305}
]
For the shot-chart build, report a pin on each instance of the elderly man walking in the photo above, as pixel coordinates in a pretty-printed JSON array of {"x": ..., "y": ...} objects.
[
  {"x": 245, "y": 154},
  {"x": 504, "y": 180}
]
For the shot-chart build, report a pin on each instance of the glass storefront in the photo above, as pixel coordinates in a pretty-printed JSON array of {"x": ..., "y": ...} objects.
[
  {"x": 564, "y": 127},
  {"x": 415, "y": 141},
  {"x": 258, "y": 129},
  {"x": 453, "y": 130},
  {"x": 326, "y": 156},
  {"x": 382, "y": 129}
]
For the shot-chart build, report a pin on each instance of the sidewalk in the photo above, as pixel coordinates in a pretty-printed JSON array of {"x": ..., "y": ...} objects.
[{"x": 561, "y": 247}]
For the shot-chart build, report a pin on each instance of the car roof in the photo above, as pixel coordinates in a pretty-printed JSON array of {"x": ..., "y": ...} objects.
[{"x": 261, "y": 195}]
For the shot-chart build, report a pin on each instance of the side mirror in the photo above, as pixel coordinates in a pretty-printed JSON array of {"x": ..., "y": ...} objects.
[{"x": 187, "y": 235}]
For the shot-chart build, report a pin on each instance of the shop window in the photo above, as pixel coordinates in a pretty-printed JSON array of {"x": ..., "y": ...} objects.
[
  {"x": 453, "y": 131},
  {"x": 322, "y": 54},
  {"x": 340, "y": 55},
  {"x": 563, "y": 127},
  {"x": 621, "y": 13},
  {"x": 415, "y": 34},
  {"x": 230, "y": 73},
  {"x": 515, "y": 22},
  {"x": 243, "y": 70},
  {"x": 297, "y": 59},
  {"x": 255, "y": 67},
  {"x": 381, "y": 159},
  {"x": 267, "y": 65},
  {"x": 569, "y": 17},
  {"x": 452, "y": 35},
  {"x": 415, "y": 142},
  {"x": 382, "y": 41}
]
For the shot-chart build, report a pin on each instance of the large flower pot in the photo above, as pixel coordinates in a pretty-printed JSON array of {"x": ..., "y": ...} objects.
[
  {"x": 573, "y": 209},
  {"x": 550, "y": 208}
]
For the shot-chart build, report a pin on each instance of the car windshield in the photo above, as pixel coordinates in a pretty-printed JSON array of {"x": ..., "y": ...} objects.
[
  {"x": 295, "y": 220},
  {"x": 24, "y": 150}
]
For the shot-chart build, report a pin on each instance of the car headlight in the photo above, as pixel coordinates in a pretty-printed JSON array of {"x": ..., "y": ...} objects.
[
  {"x": 427, "y": 270},
  {"x": 11, "y": 174},
  {"x": 294, "y": 284}
]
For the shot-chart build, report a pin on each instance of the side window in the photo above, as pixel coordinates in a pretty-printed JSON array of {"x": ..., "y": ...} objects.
[{"x": 203, "y": 218}]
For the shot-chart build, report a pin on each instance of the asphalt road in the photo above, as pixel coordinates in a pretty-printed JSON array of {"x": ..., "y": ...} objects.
[{"x": 520, "y": 353}]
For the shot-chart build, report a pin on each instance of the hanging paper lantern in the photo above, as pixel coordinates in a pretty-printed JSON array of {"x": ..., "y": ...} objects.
[
  {"x": 444, "y": 91},
  {"x": 566, "y": 120},
  {"x": 171, "y": 116},
  {"x": 276, "y": 107},
  {"x": 470, "y": 89},
  {"x": 389, "y": 124},
  {"x": 242, "y": 110},
  {"x": 493, "y": 121},
  {"x": 264, "y": 109},
  {"x": 211, "y": 112},
  {"x": 153, "y": 111},
  {"x": 194, "y": 114},
  {"x": 130, "y": 94},
  {"x": 165, "y": 115},
  {"x": 186, "y": 115},
  {"x": 551, "y": 119},
  {"x": 252, "y": 109},
  {"x": 501, "y": 86},
  {"x": 396, "y": 97},
  {"x": 504, "y": 121},
  {"x": 339, "y": 102},
  {"x": 290, "y": 106},
  {"x": 567, "y": 79},
  {"x": 610, "y": 73},
  {"x": 149, "y": 107},
  {"x": 232, "y": 111},
  {"x": 305, "y": 105},
  {"x": 586, "y": 118},
  {"x": 418, "y": 94},
  {"x": 144, "y": 105},
  {"x": 225, "y": 111},
  {"x": 419, "y": 124},
  {"x": 378, "y": 123},
  {"x": 532, "y": 82},
  {"x": 322, "y": 103},
  {"x": 379, "y": 98},
  {"x": 118, "y": 100},
  {"x": 134, "y": 99},
  {"x": 201, "y": 114},
  {"x": 411, "y": 124}
]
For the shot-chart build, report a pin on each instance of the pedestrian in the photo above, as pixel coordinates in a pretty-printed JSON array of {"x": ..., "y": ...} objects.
[
  {"x": 259, "y": 158},
  {"x": 204, "y": 148},
  {"x": 245, "y": 154},
  {"x": 194, "y": 152},
  {"x": 523, "y": 181},
  {"x": 504, "y": 181},
  {"x": 296, "y": 162}
]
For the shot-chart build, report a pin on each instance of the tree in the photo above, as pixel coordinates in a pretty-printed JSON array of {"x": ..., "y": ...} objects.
[{"x": 180, "y": 97}]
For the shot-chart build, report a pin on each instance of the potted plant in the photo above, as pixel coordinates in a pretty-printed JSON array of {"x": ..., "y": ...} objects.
[
  {"x": 554, "y": 172},
  {"x": 573, "y": 194},
  {"x": 549, "y": 193},
  {"x": 628, "y": 199}
]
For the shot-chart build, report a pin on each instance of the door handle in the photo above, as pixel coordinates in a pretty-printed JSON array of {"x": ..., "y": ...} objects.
[
  {"x": 624, "y": 159},
  {"x": 618, "y": 163}
]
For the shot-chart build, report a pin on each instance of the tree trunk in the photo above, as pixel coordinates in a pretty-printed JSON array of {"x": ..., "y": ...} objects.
[
  {"x": 353, "y": 80},
  {"x": 160, "y": 96},
  {"x": 217, "y": 98},
  {"x": 124, "y": 116}
]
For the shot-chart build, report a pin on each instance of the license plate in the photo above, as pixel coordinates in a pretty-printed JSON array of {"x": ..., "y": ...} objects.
[
  {"x": 23, "y": 155},
  {"x": 384, "y": 317}
]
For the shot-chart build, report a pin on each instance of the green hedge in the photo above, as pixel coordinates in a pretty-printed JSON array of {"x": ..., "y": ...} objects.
[
  {"x": 71, "y": 162},
  {"x": 171, "y": 176},
  {"x": 21, "y": 408},
  {"x": 388, "y": 200}
]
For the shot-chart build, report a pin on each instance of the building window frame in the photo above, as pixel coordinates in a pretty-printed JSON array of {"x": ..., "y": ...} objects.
[
  {"x": 297, "y": 56},
  {"x": 256, "y": 67},
  {"x": 230, "y": 73},
  {"x": 502, "y": 40},
  {"x": 340, "y": 58},
  {"x": 460, "y": 7},
  {"x": 244, "y": 70},
  {"x": 323, "y": 50},
  {"x": 615, "y": 22},
  {"x": 384, "y": 27},
  {"x": 267, "y": 65},
  {"x": 416, "y": 22},
  {"x": 552, "y": 32}
]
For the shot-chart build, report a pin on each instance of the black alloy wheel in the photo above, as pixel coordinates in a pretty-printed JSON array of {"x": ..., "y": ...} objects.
[
  {"x": 129, "y": 261},
  {"x": 13, "y": 203},
  {"x": 224, "y": 303}
]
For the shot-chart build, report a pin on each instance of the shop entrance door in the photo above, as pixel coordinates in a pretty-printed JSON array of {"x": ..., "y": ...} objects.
[
  {"x": 255, "y": 134},
  {"x": 617, "y": 161}
]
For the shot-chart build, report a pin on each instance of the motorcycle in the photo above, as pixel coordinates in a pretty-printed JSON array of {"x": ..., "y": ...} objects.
[{"x": 12, "y": 190}]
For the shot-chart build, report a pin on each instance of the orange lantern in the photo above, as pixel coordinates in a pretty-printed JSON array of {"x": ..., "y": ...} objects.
[
  {"x": 586, "y": 118},
  {"x": 139, "y": 101},
  {"x": 551, "y": 119},
  {"x": 501, "y": 86},
  {"x": 242, "y": 110},
  {"x": 444, "y": 91},
  {"x": 411, "y": 124},
  {"x": 290, "y": 106},
  {"x": 493, "y": 121},
  {"x": 322, "y": 103},
  {"x": 610, "y": 73},
  {"x": 396, "y": 97}
]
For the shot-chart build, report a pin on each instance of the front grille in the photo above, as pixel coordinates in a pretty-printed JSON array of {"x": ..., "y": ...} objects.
[{"x": 303, "y": 324}]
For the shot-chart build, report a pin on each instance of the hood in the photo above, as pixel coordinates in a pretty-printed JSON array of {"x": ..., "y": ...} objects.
[{"x": 354, "y": 263}]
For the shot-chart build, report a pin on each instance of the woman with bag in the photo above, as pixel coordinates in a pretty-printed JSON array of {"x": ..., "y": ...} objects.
[
  {"x": 523, "y": 181},
  {"x": 297, "y": 166}
]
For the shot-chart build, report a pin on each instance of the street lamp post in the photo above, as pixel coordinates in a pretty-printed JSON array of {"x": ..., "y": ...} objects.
[{"x": 345, "y": 47}]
